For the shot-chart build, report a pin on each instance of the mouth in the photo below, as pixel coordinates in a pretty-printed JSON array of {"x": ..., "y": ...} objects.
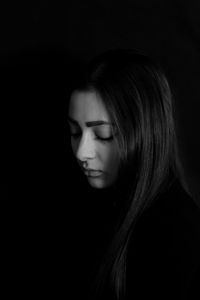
[{"x": 92, "y": 173}]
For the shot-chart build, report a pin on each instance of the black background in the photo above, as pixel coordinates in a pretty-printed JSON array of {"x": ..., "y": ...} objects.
[{"x": 42, "y": 45}]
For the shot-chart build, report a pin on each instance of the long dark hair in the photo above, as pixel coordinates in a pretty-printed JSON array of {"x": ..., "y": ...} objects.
[{"x": 138, "y": 98}]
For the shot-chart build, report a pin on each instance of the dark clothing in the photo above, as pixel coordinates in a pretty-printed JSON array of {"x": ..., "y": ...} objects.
[{"x": 163, "y": 260}]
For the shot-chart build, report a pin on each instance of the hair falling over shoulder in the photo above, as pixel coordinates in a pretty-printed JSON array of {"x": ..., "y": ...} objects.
[{"x": 138, "y": 98}]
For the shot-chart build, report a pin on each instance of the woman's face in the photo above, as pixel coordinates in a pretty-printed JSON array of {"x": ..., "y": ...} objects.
[{"x": 93, "y": 138}]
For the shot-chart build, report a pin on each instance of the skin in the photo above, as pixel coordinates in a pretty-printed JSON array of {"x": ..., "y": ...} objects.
[{"x": 93, "y": 143}]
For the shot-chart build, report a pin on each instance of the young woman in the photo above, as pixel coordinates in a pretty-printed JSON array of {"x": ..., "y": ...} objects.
[{"x": 121, "y": 121}]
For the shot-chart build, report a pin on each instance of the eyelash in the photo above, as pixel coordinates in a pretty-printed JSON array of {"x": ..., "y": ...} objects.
[{"x": 76, "y": 135}]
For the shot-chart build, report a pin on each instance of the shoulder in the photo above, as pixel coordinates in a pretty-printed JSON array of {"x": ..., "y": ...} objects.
[{"x": 165, "y": 245}]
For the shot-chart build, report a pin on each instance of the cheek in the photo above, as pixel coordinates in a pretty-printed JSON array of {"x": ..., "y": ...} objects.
[
  {"x": 112, "y": 158},
  {"x": 114, "y": 162}
]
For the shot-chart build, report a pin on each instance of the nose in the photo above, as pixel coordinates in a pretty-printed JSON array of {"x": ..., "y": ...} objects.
[{"x": 85, "y": 148}]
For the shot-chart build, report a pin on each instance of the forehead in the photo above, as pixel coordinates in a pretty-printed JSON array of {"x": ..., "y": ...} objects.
[{"x": 87, "y": 106}]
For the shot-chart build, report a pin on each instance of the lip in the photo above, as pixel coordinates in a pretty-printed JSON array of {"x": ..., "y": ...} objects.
[{"x": 92, "y": 173}]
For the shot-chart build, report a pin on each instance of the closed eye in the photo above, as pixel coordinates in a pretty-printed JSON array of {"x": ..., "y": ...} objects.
[
  {"x": 105, "y": 139},
  {"x": 78, "y": 134}
]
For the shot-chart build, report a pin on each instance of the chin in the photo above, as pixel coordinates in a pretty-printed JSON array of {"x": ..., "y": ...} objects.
[{"x": 97, "y": 183}]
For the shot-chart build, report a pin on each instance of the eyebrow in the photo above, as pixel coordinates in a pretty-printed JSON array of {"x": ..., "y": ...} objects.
[{"x": 91, "y": 123}]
